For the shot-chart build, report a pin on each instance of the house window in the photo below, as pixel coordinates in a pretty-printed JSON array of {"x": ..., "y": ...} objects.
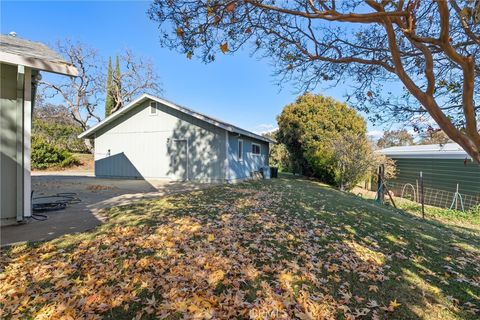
[
  {"x": 255, "y": 148},
  {"x": 153, "y": 108},
  {"x": 240, "y": 150}
]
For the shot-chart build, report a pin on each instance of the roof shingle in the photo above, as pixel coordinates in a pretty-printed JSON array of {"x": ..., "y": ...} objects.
[
  {"x": 14, "y": 50},
  {"x": 27, "y": 48}
]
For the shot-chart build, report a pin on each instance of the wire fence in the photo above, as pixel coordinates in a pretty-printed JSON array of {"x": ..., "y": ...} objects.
[{"x": 434, "y": 197}]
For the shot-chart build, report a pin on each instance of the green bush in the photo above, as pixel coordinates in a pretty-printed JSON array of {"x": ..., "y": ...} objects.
[
  {"x": 60, "y": 134},
  {"x": 45, "y": 155},
  {"x": 307, "y": 128}
]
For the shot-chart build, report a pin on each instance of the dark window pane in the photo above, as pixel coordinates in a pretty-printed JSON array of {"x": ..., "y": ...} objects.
[{"x": 240, "y": 150}]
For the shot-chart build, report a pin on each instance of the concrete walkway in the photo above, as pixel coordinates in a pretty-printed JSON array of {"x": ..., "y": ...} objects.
[{"x": 95, "y": 194}]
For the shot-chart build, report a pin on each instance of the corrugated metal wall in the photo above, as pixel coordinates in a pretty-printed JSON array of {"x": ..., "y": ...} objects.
[
  {"x": 142, "y": 145},
  {"x": 441, "y": 177}
]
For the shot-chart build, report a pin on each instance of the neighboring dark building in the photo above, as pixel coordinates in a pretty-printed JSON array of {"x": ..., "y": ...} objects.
[{"x": 443, "y": 167}]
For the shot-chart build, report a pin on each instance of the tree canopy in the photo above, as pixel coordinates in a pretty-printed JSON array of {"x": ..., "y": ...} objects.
[
  {"x": 133, "y": 75},
  {"x": 308, "y": 126},
  {"x": 354, "y": 160},
  {"x": 278, "y": 155},
  {"x": 394, "y": 138},
  {"x": 109, "y": 104},
  {"x": 430, "y": 47},
  {"x": 433, "y": 136}
]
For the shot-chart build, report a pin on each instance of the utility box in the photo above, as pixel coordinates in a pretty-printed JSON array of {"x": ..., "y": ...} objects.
[{"x": 273, "y": 172}]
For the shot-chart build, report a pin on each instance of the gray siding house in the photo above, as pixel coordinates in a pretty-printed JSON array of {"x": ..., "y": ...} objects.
[
  {"x": 21, "y": 61},
  {"x": 153, "y": 138}
]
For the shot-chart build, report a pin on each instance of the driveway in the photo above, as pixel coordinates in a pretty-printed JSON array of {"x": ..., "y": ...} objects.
[{"x": 95, "y": 194}]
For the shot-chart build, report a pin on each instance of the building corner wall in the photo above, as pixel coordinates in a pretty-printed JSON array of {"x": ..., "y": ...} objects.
[
  {"x": 227, "y": 153},
  {"x": 15, "y": 125}
]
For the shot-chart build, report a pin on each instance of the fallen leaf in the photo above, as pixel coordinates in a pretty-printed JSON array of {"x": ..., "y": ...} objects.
[{"x": 373, "y": 288}]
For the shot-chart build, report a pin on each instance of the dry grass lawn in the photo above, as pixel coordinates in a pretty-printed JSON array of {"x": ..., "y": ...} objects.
[{"x": 280, "y": 249}]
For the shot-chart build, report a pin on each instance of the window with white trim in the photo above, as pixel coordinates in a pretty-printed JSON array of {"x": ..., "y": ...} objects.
[
  {"x": 153, "y": 108},
  {"x": 240, "y": 150},
  {"x": 255, "y": 148}
]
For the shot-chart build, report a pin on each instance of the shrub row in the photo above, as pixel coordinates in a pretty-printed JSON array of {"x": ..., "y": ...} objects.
[{"x": 45, "y": 155}]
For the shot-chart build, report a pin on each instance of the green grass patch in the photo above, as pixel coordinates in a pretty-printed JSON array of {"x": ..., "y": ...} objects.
[{"x": 286, "y": 247}]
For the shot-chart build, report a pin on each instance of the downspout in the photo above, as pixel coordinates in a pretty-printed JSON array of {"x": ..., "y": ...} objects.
[
  {"x": 19, "y": 142},
  {"x": 28, "y": 99},
  {"x": 188, "y": 179},
  {"x": 227, "y": 169}
]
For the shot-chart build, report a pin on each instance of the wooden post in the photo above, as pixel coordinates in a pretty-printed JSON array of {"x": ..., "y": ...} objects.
[
  {"x": 380, "y": 192},
  {"x": 390, "y": 196},
  {"x": 418, "y": 192},
  {"x": 422, "y": 195}
]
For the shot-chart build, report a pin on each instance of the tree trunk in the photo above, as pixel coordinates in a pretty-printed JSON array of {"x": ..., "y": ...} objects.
[
  {"x": 90, "y": 145},
  {"x": 465, "y": 141}
]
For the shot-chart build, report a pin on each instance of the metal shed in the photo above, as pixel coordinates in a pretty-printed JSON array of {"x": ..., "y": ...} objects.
[
  {"x": 443, "y": 166},
  {"x": 20, "y": 63},
  {"x": 153, "y": 138}
]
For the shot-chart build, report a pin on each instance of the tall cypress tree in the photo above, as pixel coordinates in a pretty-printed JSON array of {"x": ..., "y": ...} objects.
[
  {"x": 109, "y": 103},
  {"x": 118, "y": 84}
]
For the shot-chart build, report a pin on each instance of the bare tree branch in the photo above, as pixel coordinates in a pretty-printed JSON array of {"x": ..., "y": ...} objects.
[
  {"x": 371, "y": 45},
  {"x": 137, "y": 76}
]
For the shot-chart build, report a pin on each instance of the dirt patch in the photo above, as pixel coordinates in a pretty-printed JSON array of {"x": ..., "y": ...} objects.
[
  {"x": 87, "y": 161},
  {"x": 98, "y": 187}
]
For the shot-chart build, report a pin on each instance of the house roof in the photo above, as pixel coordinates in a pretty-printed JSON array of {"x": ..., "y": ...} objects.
[
  {"x": 145, "y": 97},
  {"x": 431, "y": 151},
  {"x": 36, "y": 55}
]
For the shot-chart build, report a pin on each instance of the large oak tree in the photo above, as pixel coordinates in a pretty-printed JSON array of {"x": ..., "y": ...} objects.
[
  {"x": 83, "y": 94},
  {"x": 431, "y": 47}
]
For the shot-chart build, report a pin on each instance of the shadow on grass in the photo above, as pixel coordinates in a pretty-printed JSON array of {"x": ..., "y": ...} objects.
[
  {"x": 428, "y": 268},
  {"x": 282, "y": 247}
]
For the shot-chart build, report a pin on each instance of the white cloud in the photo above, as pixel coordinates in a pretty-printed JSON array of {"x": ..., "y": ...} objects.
[
  {"x": 265, "y": 128},
  {"x": 375, "y": 134}
]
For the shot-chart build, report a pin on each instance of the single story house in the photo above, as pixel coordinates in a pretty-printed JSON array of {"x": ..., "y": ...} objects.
[
  {"x": 20, "y": 63},
  {"x": 153, "y": 138},
  {"x": 443, "y": 166}
]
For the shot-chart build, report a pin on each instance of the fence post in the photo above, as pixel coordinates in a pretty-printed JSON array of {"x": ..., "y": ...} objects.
[
  {"x": 380, "y": 192},
  {"x": 422, "y": 195},
  {"x": 456, "y": 200},
  {"x": 418, "y": 192}
]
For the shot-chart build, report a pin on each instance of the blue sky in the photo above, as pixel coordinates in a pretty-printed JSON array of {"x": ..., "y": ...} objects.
[{"x": 235, "y": 88}]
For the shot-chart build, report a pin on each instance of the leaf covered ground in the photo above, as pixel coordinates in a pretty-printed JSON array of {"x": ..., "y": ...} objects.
[{"x": 279, "y": 249}]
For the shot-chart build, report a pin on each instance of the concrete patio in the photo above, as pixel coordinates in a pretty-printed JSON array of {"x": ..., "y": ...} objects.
[{"x": 95, "y": 194}]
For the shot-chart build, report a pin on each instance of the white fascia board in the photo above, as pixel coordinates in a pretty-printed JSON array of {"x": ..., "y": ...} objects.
[
  {"x": 110, "y": 118},
  {"x": 426, "y": 155},
  {"x": 39, "y": 64},
  {"x": 210, "y": 120},
  {"x": 171, "y": 105},
  {"x": 429, "y": 156}
]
